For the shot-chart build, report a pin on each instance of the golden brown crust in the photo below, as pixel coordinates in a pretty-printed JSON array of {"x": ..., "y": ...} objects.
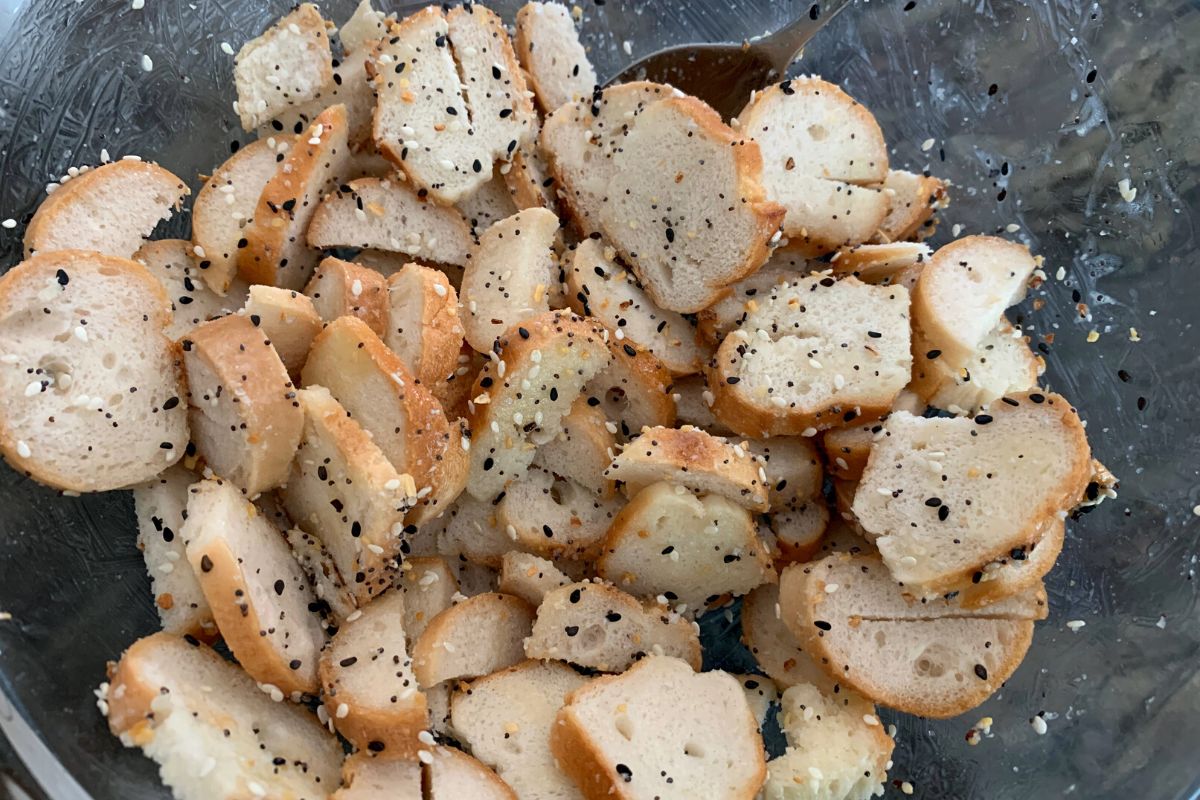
[
  {"x": 1016, "y": 577},
  {"x": 528, "y": 190},
  {"x": 390, "y": 731},
  {"x": 847, "y": 450},
  {"x": 369, "y": 303},
  {"x": 911, "y": 217},
  {"x": 441, "y": 330}
]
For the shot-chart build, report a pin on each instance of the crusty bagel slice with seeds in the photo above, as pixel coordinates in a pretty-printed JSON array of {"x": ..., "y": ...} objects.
[
  {"x": 474, "y": 637},
  {"x": 583, "y": 448},
  {"x": 598, "y": 626},
  {"x": 540, "y": 367},
  {"x": 91, "y": 396},
  {"x": 796, "y": 531},
  {"x": 552, "y": 55},
  {"x": 108, "y": 209},
  {"x": 241, "y": 403},
  {"x": 387, "y": 214},
  {"x": 726, "y": 314},
  {"x": 660, "y": 742},
  {"x": 344, "y": 289},
  {"x": 424, "y": 328},
  {"x": 553, "y": 516},
  {"x": 367, "y": 682},
  {"x": 529, "y": 577},
  {"x": 288, "y": 65},
  {"x": 429, "y": 587},
  {"x": 192, "y": 301},
  {"x": 289, "y": 320},
  {"x": 474, "y": 533},
  {"x": 633, "y": 391},
  {"x": 915, "y": 201},
  {"x": 793, "y": 467},
  {"x": 489, "y": 203},
  {"x": 334, "y": 598},
  {"x": 365, "y": 777},
  {"x": 260, "y": 597},
  {"x": 1002, "y": 363},
  {"x": 774, "y": 647},
  {"x": 897, "y": 263}
]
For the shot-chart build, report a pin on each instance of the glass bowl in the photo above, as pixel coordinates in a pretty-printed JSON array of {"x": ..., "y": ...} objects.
[{"x": 1036, "y": 112}]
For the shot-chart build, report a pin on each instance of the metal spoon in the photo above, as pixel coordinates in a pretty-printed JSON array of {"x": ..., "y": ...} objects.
[{"x": 722, "y": 74}]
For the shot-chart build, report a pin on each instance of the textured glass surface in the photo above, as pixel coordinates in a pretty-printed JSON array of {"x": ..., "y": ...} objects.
[{"x": 1035, "y": 111}]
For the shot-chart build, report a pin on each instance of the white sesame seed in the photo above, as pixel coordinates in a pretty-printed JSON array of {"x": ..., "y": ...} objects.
[
  {"x": 449, "y": 647},
  {"x": 343, "y": 711},
  {"x": 81, "y": 333},
  {"x": 256, "y": 789},
  {"x": 1075, "y": 625},
  {"x": 870, "y": 719},
  {"x": 33, "y": 388},
  {"x": 138, "y": 5},
  {"x": 425, "y": 737},
  {"x": 147, "y": 64},
  {"x": 352, "y": 616},
  {"x": 1012, "y": 227},
  {"x": 356, "y": 287},
  {"x": 226, "y": 48},
  {"x": 830, "y": 588},
  {"x": 627, "y": 46},
  {"x": 1162, "y": 623},
  {"x": 927, "y": 145},
  {"x": 439, "y": 290},
  {"x": 424, "y": 757},
  {"x": 1039, "y": 725},
  {"x": 906, "y": 787},
  {"x": 9, "y": 223}
]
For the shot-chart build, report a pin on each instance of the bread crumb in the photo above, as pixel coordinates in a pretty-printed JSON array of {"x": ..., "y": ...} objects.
[
  {"x": 927, "y": 145},
  {"x": 1093, "y": 337},
  {"x": 1075, "y": 625},
  {"x": 1128, "y": 193},
  {"x": 1134, "y": 336},
  {"x": 227, "y": 48},
  {"x": 1162, "y": 623}
]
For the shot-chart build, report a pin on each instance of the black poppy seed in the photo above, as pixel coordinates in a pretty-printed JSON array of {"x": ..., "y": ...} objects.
[
  {"x": 613, "y": 616},
  {"x": 488, "y": 463},
  {"x": 733, "y": 380},
  {"x": 629, "y": 351},
  {"x": 206, "y": 564},
  {"x": 571, "y": 630},
  {"x": 356, "y": 529},
  {"x": 279, "y": 586},
  {"x": 294, "y": 663},
  {"x": 63, "y": 277},
  {"x": 933, "y": 502},
  {"x": 874, "y": 334},
  {"x": 170, "y": 403},
  {"x": 983, "y": 419},
  {"x": 823, "y": 625},
  {"x": 524, "y": 333},
  {"x": 1038, "y": 398},
  {"x": 981, "y": 672},
  {"x": 375, "y": 746},
  {"x": 348, "y": 662},
  {"x": 625, "y": 772},
  {"x": 576, "y": 596},
  {"x": 1141, "y": 404},
  {"x": 943, "y": 513},
  {"x": 932, "y": 354},
  {"x": 548, "y": 531}
]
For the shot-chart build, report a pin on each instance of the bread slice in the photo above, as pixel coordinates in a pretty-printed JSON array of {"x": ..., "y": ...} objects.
[
  {"x": 528, "y": 178},
  {"x": 598, "y": 626},
  {"x": 192, "y": 302},
  {"x": 213, "y": 732},
  {"x": 108, "y": 209},
  {"x": 259, "y": 596},
  {"x": 388, "y": 214},
  {"x": 692, "y": 399},
  {"x": 691, "y": 550},
  {"x": 501, "y": 106},
  {"x": 161, "y": 508},
  {"x": 475, "y": 533},
  {"x": 599, "y": 287},
  {"x": 554, "y": 517},
  {"x": 719, "y": 223},
  {"x": 241, "y": 403},
  {"x": 915, "y": 200},
  {"x": 580, "y": 141},
  {"x": 847, "y": 449},
  {"x": 506, "y": 718},
  {"x": 367, "y": 681},
  {"x": 540, "y": 368},
  {"x": 796, "y": 531},
  {"x": 335, "y": 601},
  {"x": 342, "y": 485},
  {"x": 550, "y": 50},
  {"x": 276, "y": 250},
  {"x": 90, "y": 394},
  {"x": 226, "y": 204},
  {"x": 287, "y": 65},
  {"x": 694, "y": 459},
  {"x": 367, "y": 777},
  {"x": 633, "y": 391},
  {"x": 351, "y": 86},
  {"x": 402, "y": 417},
  {"x": 896, "y": 263},
  {"x": 998, "y": 481},
  {"x": 837, "y": 748},
  {"x": 421, "y": 123},
  {"x": 774, "y": 647},
  {"x": 933, "y": 659},
  {"x": 477, "y": 636},
  {"x": 962, "y": 291},
  {"x": 1001, "y": 364},
  {"x": 761, "y": 693},
  {"x": 529, "y": 577},
  {"x": 341, "y": 288},
  {"x": 583, "y": 448},
  {"x": 820, "y": 148},
  {"x": 642, "y": 734},
  {"x": 793, "y": 468},
  {"x": 724, "y": 316},
  {"x": 489, "y": 203},
  {"x": 425, "y": 332},
  {"x": 817, "y": 353},
  {"x": 429, "y": 587},
  {"x": 289, "y": 320},
  {"x": 451, "y": 774},
  {"x": 509, "y": 275}
]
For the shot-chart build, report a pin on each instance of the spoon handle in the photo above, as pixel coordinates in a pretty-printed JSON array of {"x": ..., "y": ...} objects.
[{"x": 785, "y": 45}]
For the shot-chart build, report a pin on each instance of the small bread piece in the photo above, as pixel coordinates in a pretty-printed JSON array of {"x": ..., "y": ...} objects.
[
  {"x": 773, "y": 646},
  {"x": 161, "y": 508},
  {"x": 509, "y": 275},
  {"x": 897, "y": 263},
  {"x": 259, "y": 596},
  {"x": 816, "y": 353},
  {"x": 352, "y": 87},
  {"x": 915, "y": 199},
  {"x": 475, "y": 579},
  {"x": 521, "y": 396},
  {"x": 367, "y": 682},
  {"x": 793, "y": 468},
  {"x": 720, "y": 222},
  {"x": 694, "y": 550},
  {"x": 692, "y": 399},
  {"x": 847, "y": 449},
  {"x": 643, "y": 735},
  {"x": 192, "y": 301},
  {"x": 837, "y": 748},
  {"x": 389, "y": 215},
  {"x": 334, "y": 598},
  {"x": 89, "y": 392},
  {"x": 365, "y": 777},
  {"x": 276, "y": 251},
  {"x": 340, "y": 288},
  {"x": 218, "y": 222},
  {"x": 502, "y": 112},
  {"x": 1001, "y": 364},
  {"x": 1017, "y": 574},
  {"x": 761, "y": 693},
  {"x": 402, "y": 417},
  {"x": 288, "y": 65},
  {"x": 529, "y": 577},
  {"x": 599, "y": 287},
  {"x": 583, "y": 449},
  {"x": 697, "y": 460},
  {"x": 598, "y": 626},
  {"x": 550, "y": 50},
  {"x": 633, "y": 391},
  {"x": 241, "y": 403},
  {"x": 475, "y": 637},
  {"x": 962, "y": 291},
  {"x": 529, "y": 180},
  {"x": 797, "y": 531},
  {"x": 289, "y": 320},
  {"x": 364, "y": 27},
  {"x": 489, "y": 204},
  {"x": 108, "y": 209},
  {"x": 342, "y": 485},
  {"x": 474, "y": 532},
  {"x": 423, "y": 327},
  {"x": 554, "y": 517},
  {"x": 819, "y": 149},
  {"x": 213, "y": 732},
  {"x": 421, "y": 122},
  {"x": 724, "y": 316},
  {"x": 506, "y": 718},
  {"x": 1009, "y": 474},
  {"x": 451, "y": 774},
  {"x": 429, "y": 587}
]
